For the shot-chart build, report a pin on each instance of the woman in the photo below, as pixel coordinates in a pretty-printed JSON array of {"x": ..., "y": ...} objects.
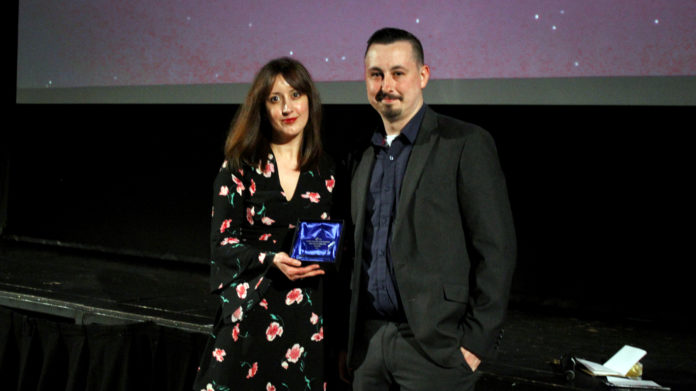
[{"x": 268, "y": 333}]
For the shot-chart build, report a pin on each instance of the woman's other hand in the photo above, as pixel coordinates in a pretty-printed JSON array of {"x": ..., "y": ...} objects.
[{"x": 293, "y": 269}]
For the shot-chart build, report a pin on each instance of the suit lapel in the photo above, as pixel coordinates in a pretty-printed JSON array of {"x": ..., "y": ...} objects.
[
  {"x": 360, "y": 186},
  {"x": 425, "y": 141}
]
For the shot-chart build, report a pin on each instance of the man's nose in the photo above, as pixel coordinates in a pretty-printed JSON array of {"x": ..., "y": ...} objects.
[{"x": 387, "y": 84}]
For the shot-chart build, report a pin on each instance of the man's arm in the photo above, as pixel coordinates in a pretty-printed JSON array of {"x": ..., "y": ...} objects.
[{"x": 491, "y": 244}]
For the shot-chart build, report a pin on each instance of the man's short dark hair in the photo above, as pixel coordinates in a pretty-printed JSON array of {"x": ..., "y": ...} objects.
[{"x": 389, "y": 35}]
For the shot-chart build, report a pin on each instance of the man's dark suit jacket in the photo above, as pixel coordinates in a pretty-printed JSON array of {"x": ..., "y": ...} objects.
[{"x": 453, "y": 241}]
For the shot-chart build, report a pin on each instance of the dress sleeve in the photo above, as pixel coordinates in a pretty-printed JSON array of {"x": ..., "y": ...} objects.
[{"x": 234, "y": 264}]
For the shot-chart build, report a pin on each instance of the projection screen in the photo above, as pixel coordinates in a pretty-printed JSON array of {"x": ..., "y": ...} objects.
[{"x": 605, "y": 52}]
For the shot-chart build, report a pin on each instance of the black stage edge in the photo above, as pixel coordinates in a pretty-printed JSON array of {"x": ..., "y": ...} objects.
[{"x": 91, "y": 286}]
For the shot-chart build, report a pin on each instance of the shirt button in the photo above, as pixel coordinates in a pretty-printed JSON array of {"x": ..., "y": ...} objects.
[{"x": 391, "y": 157}]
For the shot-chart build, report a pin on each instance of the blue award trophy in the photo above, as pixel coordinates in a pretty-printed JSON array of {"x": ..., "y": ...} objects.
[{"x": 318, "y": 241}]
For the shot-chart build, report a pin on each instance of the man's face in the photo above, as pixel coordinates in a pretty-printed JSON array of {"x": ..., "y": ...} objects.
[{"x": 394, "y": 80}]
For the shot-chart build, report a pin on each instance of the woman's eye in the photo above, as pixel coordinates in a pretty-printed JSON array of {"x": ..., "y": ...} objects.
[
  {"x": 274, "y": 99},
  {"x": 296, "y": 94}
]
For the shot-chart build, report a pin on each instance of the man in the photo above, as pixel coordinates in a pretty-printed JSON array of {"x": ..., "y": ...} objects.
[{"x": 434, "y": 237}]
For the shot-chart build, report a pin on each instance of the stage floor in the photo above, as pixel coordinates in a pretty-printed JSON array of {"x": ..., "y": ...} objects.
[{"x": 94, "y": 287}]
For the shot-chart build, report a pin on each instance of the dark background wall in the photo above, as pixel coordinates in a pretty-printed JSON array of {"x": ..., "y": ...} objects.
[{"x": 600, "y": 194}]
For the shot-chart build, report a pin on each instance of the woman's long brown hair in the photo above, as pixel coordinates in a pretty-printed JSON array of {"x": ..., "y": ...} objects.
[{"x": 249, "y": 138}]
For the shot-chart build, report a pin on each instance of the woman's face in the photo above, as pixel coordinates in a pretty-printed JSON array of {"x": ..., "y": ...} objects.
[{"x": 288, "y": 110}]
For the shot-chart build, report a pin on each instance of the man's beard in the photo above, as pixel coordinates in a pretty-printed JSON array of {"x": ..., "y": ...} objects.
[{"x": 387, "y": 110}]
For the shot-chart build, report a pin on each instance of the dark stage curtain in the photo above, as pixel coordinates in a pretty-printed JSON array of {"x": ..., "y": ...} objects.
[{"x": 38, "y": 353}]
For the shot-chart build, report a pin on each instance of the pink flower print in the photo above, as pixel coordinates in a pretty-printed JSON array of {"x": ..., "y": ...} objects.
[
  {"x": 250, "y": 215},
  {"x": 225, "y": 224},
  {"x": 294, "y": 296},
  {"x": 260, "y": 279},
  {"x": 291, "y": 226},
  {"x": 267, "y": 171},
  {"x": 284, "y": 364},
  {"x": 239, "y": 183},
  {"x": 252, "y": 370},
  {"x": 313, "y": 197},
  {"x": 274, "y": 330},
  {"x": 209, "y": 387},
  {"x": 219, "y": 354},
  {"x": 324, "y": 216},
  {"x": 294, "y": 353},
  {"x": 314, "y": 318},
  {"x": 267, "y": 220},
  {"x": 263, "y": 303},
  {"x": 316, "y": 337},
  {"x": 242, "y": 290},
  {"x": 224, "y": 191},
  {"x": 227, "y": 241},
  {"x": 324, "y": 386},
  {"x": 237, "y": 314},
  {"x": 270, "y": 387},
  {"x": 262, "y": 256},
  {"x": 252, "y": 188},
  {"x": 235, "y": 332},
  {"x": 264, "y": 237},
  {"x": 330, "y": 183}
]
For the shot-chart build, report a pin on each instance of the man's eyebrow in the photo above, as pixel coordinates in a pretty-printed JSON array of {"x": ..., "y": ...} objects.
[{"x": 395, "y": 67}]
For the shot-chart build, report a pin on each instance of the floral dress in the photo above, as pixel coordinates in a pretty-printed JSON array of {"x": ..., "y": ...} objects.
[{"x": 269, "y": 331}]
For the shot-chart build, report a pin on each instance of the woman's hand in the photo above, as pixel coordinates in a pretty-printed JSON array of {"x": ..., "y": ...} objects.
[{"x": 293, "y": 269}]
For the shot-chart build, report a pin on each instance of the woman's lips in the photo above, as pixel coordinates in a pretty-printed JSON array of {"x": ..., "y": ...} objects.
[{"x": 289, "y": 121}]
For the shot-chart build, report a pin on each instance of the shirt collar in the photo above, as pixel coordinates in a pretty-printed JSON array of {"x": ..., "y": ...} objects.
[{"x": 410, "y": 131}]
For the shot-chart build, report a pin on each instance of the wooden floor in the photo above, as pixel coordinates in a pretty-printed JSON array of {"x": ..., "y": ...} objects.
[{"x": 109, "y": 288}]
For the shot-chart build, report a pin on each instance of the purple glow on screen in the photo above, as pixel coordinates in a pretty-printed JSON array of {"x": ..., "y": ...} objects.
[{"x": 78, "y": 43}]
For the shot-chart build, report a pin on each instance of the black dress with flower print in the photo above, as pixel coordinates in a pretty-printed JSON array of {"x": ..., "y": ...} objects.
[{"x": 269, "y": 331}]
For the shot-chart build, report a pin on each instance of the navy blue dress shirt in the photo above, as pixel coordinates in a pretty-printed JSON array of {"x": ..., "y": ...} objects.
[{"x": 385, "y": 186}]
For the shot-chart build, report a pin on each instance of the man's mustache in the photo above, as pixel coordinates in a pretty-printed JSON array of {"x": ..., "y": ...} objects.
[{"x": 381, "y": 95}]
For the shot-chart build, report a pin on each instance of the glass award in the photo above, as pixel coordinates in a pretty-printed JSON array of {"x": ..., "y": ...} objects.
[{"x": 318, "y": 241}]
